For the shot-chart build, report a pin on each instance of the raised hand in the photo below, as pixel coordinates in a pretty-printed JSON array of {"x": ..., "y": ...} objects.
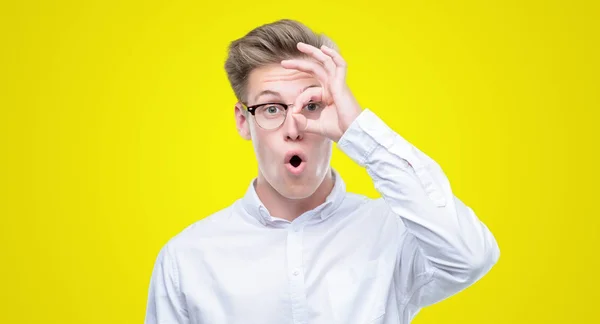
[{"x": 338, "y": 106}]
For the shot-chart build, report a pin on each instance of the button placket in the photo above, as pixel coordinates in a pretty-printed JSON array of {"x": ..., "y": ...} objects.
[{"x": 296, "y": 274}]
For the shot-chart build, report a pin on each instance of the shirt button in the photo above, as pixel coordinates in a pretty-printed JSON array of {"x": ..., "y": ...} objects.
[{"x": 296, "y": 272}]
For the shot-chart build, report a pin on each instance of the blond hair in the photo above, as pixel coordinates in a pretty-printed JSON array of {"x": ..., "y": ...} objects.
[{"x": 268, "y": 44}]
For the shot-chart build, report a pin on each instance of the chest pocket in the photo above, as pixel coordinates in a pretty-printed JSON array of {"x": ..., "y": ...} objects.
[{"x": 358, "y": 294}]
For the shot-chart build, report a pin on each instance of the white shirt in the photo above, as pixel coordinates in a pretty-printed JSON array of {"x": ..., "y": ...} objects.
[{"x": 352, "y": 259}]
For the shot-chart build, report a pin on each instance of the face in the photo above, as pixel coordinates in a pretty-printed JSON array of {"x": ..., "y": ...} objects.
[{"x": 275, "y": 148}]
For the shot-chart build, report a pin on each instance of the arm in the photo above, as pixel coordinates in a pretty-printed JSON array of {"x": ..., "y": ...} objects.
[
  {"x": 447, "y": 248},
  {"x": 165, "y": 301}
]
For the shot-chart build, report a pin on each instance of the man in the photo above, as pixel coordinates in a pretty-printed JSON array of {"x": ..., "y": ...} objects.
[{"x": 297, "y": 248}]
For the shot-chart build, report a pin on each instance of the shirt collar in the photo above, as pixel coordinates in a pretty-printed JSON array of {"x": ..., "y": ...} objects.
[{"x": 254, "y": 206}]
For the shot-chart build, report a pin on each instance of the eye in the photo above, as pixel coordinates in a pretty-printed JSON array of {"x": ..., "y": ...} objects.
[
  {"x": 313, "y": 106},
  {"x": 271, "y": 109}
]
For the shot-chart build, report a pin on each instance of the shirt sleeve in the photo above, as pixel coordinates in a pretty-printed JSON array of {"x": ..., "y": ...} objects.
[
  {"x": 446, "y": 247},
  {"x": 165, "y": 302}
]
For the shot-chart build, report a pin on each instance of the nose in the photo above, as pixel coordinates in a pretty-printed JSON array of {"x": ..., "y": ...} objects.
[{"x": 290, "y": 129}]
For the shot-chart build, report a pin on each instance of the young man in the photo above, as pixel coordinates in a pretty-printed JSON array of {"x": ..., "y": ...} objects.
[{"x": 298, "y": 248}]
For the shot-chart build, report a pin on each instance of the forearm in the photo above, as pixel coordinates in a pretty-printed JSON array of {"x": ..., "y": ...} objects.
[{"x": 415, "y": 188}]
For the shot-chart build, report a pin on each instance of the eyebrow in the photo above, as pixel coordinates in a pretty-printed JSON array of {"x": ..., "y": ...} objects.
[{"x": 277, "y": 94}]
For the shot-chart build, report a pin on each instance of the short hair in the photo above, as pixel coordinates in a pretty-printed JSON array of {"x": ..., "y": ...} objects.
[{"x": 268, "y": 44}]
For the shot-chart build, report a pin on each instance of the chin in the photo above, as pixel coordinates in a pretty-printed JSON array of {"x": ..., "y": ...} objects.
[
  {"x": 299, "y": 192},
  {"x": 294, "y": 187}
]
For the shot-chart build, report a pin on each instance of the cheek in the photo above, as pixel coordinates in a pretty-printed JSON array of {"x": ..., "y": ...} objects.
[
  {"x": 325, "y": 147},
  {"x": 262, "y": 148},
  {"x": 322, "y": 150}
]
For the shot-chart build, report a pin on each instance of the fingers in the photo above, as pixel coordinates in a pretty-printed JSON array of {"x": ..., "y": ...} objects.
[
  {"x": 314, "y": 94},
  {"x": 332, "y": 67},
  {"x": 335, "y": 56},
  {"x": 337, "y": 59},
  {"x": 308, "y": 67},
  {"x": 320, "y": 56}
]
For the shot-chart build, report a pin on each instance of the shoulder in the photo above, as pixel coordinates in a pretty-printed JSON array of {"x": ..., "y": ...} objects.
[
  {"x": 196, "y": 234},
  {"x": 355, "y": 201},
  {"x": 372, "y": 209}
]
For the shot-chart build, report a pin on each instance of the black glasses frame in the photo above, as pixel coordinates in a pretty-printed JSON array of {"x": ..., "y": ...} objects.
[{"x": 252, "y": 109}]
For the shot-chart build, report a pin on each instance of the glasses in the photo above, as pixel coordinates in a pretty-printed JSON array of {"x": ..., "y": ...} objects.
[{"x": 272, "y": 115}]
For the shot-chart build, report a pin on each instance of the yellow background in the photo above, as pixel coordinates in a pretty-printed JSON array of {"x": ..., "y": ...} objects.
[{"x": 117, "y": 132}]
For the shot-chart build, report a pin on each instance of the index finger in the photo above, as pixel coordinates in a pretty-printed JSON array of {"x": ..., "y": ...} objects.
[{"x": 314, "y": 94}]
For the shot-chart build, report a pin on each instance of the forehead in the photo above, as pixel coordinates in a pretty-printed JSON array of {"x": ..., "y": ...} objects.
[{"x": 288, "y": 83}]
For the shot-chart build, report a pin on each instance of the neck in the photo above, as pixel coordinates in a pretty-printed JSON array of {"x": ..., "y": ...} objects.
[{"x": 290, "y": 209}]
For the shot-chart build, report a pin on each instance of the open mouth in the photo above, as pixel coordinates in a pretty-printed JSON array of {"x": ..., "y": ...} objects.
[{"x": 295, "y": 161}]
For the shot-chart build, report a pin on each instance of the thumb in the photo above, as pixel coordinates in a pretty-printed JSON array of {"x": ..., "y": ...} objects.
[{"x": 308, "y": 125}]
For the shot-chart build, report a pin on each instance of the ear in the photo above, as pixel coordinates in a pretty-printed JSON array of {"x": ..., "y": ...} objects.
[{"x": 241, "y": 121}]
